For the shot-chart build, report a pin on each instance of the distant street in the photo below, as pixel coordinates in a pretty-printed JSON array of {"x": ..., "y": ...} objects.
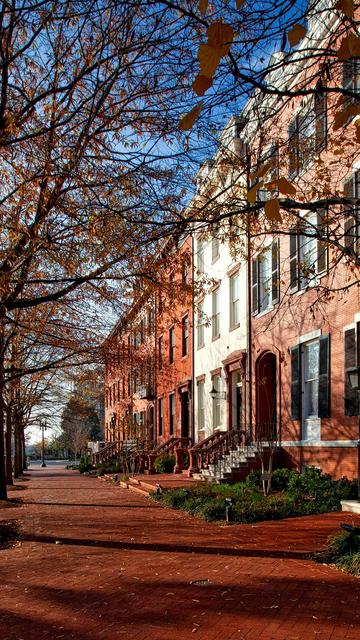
[{"x": 99, "y": 563}]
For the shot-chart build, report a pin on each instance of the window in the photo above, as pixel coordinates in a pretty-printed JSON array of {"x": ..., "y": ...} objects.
[
  {"x": 200, "y": 327},
  {"x": 171, "y": 345},
  {"x": 215, "y": 250},
  {"x": 351, "y": 80},
  {"x": 352, "y": 214},
  {"x": 215, "y": 321},
  {"x": 271, "y": 160},
  {"x": 266, "y": 279},
  {"x": 234, "y": 282},
  {"x": 200, "y": 256},
  {"x": 160, "y": 350},
  {"x": 185, "y": 336},
  {"x": 308, "y": 252},
  {"x": 171, "y": 413},
  {"x": 216, "y": 403},
  {"x": 351, "y": 359},
  {"x": 310, "y": 381},
  {"x": 186, "y": 272},
  {"x": 201, "y": 405},
  {"x": 172, "y": 286},
  {"x": 307, "y": 133},
  {"x": 160, "y": 416}
]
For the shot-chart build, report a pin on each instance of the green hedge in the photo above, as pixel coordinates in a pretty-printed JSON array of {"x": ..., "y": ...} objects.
[{"x": 297, "y": 494}]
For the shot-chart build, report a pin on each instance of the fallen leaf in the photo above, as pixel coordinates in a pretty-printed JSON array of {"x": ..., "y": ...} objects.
[
  {"x": 297, "y": 33},
  {"x": 272, "y": 210},
  {"x": 346, "y": 6},
  {"x": 188, "y": 119},
  {"x": 201, "y": 84}
]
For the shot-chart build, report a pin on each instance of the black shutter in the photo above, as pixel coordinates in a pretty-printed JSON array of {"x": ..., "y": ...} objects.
[
  {"x": 349, "y": 219},
  {"x": 296, "y": 383},
  {"x": 322, "y": 245},
  {"x": 275, "y": 272},
  {"x": 320, "y": 118},
  {"x": 255, "y": 286},
  {"x": 324, "y": 377},
  {"x": 294, "y": 262},
  {"x": 351, "y": 396}
]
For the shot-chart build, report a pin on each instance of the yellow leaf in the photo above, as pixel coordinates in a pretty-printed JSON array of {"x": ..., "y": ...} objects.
[
  {"x": 346, "y": 6},
  {"x": 272, "y": 210},
  {"x": 188, "y": 119},
  {"x": 297, "y": 33},
  {"x": 286, "y": 187},
  {"x": 203, "y": 5},
  {"x": 251, "y": 194},
  {"x": 201, "y": 84},
  {"x": 349, "y": 47},
  {"x": 220, "y": 35},
  {"x": 239, "y": 3},
  {"x": 209, "y": 58}
]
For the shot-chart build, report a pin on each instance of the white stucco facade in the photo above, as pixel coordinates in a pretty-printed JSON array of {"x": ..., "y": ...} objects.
[{"x": 220, "y": 337}]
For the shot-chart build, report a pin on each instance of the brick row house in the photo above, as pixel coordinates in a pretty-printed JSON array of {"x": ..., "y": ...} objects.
[{"x": 268, "y": 325}]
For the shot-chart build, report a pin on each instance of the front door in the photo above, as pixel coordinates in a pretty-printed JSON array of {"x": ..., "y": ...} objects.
[{"x": 185, "y": 414}]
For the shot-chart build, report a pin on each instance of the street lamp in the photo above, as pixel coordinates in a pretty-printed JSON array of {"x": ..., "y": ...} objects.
[
  {"x": 353, "y": 375},
  {"x": 214, "y": 393},
  {"x": 43, "y": 427}
]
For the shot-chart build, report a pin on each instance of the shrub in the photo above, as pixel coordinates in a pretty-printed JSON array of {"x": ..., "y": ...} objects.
[
  {"x": 253, "y": 479},
  {"x": 164, "y": 463},
  {"x": 343, "y": 550},
  {"x": 85, "y": 466},
  {"x": 280, "y": 479}
]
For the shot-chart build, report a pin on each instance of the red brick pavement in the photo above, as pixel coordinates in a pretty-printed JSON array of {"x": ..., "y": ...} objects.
[{"x": 100, "y": 563}]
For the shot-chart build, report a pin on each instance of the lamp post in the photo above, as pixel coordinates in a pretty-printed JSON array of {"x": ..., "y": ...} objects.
[
  {"x": 43, "y": 427},
  {"x": 215, "y": 394},
  {"x": 354, "y": 380},
  {"x": 113, "y": 425}
]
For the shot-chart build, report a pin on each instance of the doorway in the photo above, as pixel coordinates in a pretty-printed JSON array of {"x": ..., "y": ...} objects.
[
  {"x": 184, "y": 414},
  {"x": 266, "y": 396}
]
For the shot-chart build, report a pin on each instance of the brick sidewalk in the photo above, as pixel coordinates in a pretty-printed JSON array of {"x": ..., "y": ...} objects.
[{"x": 100, "y": 563}]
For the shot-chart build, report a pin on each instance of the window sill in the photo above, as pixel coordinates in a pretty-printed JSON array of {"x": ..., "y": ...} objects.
[
  {"x": 215, "y": 338},
  {"x": 264, "y": 312},
  {"x": 200, "y": 346},
  {"x": 235, "y": 326},
  {"x": 215, "y": 259}
]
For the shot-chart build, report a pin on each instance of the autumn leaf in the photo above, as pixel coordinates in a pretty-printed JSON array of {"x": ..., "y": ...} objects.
[
  {"x": 203, "y": 5},
  {"x": 251, "y": 194},
  {"x": 349, "y": 47},
  {"x": 201, "y": 84},
  {"x": 209, "y": 58},
  {"x": 297, "y": 33},
  {"x": 346, "y": 6},
  {"x": 239, "y": 3},
  {"x": 261, "y": 171},
  {"x": 272, "y": 210},
  {"x": 342, "y": 117},
  {"x": 286, "y": 187},
  {"x": 220, "y": 35},
  {"x": 188, "y": 119}
]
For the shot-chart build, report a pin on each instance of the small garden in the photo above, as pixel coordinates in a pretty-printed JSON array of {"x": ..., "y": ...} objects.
[
  {"x": 292, "y": 494},
  {"x": 343, "y": 551}
]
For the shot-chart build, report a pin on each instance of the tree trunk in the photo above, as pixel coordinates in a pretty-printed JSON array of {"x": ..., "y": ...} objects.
[
  {"x": 23, "y": 452},
  {"x": 9, "y": 478},
  {"x": 18, "y": 447}
]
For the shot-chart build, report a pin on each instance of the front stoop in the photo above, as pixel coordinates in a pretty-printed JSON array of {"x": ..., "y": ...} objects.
[{"x": 350, "y": 505}]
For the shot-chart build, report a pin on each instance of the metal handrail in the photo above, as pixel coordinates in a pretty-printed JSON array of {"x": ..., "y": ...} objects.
[
  {"x": 214, "y": 448},
  {"x": 170, "y": 445}
]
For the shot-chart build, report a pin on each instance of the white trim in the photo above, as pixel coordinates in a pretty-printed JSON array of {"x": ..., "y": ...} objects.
[
  {"x": 348, "y": 326},
  {"x": 341, "y": 444},
  {"x": 357, "y": 317},
  {"x": 309, "y": 336}
]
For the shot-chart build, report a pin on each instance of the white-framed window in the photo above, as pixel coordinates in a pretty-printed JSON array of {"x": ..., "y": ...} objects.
[
  {"x": 215, "y": 248},
  {"x": 200, "y": 259},
  {"x": 216, "y": 402},
  {"x": 185, "y": 336},
  {"x": 307, "y": 132},
  {"x": 308, "y": 251},
  {"x": 160, "y": 416},
  {"x": 266, "y": 278},
  {"x": 215, "y": 319},
  {"x": 234, "y": 285},
  {"x": 201, "y": 405},
  {"x": 200, "y": 326},
  {"x": 171, "y": 345},
  {"x": 311, "y": 378}
]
